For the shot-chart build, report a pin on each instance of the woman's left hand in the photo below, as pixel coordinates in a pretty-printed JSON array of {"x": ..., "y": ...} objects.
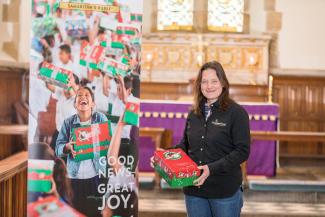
[{"x": 205, "y": 174}]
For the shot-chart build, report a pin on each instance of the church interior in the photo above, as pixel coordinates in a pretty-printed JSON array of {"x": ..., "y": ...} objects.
[{"x": 273, "y": 52}]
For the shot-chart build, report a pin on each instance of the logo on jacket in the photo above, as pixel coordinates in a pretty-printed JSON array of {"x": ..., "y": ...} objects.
[{"x": 217, "y": 123}]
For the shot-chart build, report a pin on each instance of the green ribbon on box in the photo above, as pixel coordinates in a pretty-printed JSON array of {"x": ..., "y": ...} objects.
[
  {"x": 39, "y": 186},
  {"x": 111, "y": 70},
  {"x": 90, "y": 155},
  {"x": 83, "y": 62},
  {"x": 175, "y": 182},
  {"x": 93, "y": 66},
  {"x": 125, "y": 32},
  {"x": 87, "y": 156},
  {"x": 136, "y": 17},
  {"x": 113, "y": 44}
]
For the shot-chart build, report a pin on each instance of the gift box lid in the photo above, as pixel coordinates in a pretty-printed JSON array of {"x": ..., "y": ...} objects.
[
  {"x": 40, "y": 169},
  {"x": 51, "y": 206},
  {"x": 40, "y": 173},
  {"x": 176, "y": 162},
  {"x": 54, "y": 69},
  {"x": 93, "y": 134}
]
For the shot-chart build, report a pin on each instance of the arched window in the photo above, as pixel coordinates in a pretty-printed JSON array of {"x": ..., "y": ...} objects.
[
  {"x": 225, "y": 15},
  {"x": 175, "y": 15}
]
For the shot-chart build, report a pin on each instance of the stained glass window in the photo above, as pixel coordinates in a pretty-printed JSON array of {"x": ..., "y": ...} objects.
[
  {"x": 175, "y": 15},
  {"x": 226, "y": 15}
]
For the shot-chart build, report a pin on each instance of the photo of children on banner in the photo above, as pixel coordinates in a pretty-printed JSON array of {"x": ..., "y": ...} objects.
[
  {"x": 122, "y": 187},
  {"x": 123, "y": 100},
  {"x": 63, "y": 86},
  {"x": 83, "y": 172},
  {"x": 49, "y": 190},
  {"x": 88, "y": 61}
]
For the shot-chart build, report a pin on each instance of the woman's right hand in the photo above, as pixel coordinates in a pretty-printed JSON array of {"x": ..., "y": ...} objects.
[
  {"x": 152, "y": 161},
  {"x": 69, "y": 148}
]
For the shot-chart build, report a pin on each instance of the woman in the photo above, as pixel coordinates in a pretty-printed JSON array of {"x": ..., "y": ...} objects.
[
  {"x": 84, "y": 175},
  {"x": 217, "y": 138}
]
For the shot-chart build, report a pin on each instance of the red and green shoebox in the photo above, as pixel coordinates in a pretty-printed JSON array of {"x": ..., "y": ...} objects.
[
  {"x": 96, "y": 53},
  {"x": 113, "y": 67},
  {"x": 177, "y": 168},
  {"x": 114, "y": 48},
  {"x": 126, "y": 30},
  {"x": 84, "y": 51},
  {"x": 131, "y": 114},
  {"x": 51, "y": 206},
  {"x": 136, "y": 18},
  {"x": 55, "y": 75},
  {"x": 91, "y": 140},
  {"x": 40, "y": 175}
]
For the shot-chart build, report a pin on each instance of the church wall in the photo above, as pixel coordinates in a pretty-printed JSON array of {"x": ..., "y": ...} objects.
[{"x": 301, "y": 38}]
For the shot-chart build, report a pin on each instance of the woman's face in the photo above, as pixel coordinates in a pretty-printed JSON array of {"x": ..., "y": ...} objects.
[
  {"x": 84, "y": 102},
  {"x": 211, "y": 87}
]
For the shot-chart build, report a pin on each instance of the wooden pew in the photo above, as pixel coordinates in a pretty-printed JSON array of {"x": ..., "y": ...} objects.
[
  {"x": 14, "y": 129},
  {"x": 13, "y": 176},
  {"x": 284, "y": 136},
  {"x": 13, "y": 185},
  {"x": 289, "y": 136}
]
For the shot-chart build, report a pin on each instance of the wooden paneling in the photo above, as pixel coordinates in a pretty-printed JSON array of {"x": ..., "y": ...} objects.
[
  {"x": 13, "y": 181},
  {"x": 10, "y": 92},
  {"x": 164, "y": 91},
  {"x": 302, "y": 108},
  {"x": 10, "y": 89},
  {"x": 174, "y": 91}
]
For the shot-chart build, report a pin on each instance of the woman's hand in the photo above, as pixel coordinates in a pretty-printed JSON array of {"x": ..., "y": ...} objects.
[
  {"x": 205, "y": 174},
  {"x": 69, "y": 148},
  {"x": 152, "y": 161}
]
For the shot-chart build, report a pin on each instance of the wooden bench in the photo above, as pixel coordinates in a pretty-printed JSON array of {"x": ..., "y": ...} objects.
[
  {"x": 13, "y": 185},
  {"x": 289, "y": 136},
  {"x": 284, "y": 136},
  {"x": 14, "y": 129},
  {"x": 13, "y": 165}
]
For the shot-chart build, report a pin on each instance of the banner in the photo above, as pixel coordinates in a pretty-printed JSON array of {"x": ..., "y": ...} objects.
[{"x": 84, "y": 108}]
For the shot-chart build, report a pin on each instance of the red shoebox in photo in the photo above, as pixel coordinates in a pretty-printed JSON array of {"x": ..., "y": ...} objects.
[
  {"x": 176, "y": 167},
  {"x": 51, "y": 206}
]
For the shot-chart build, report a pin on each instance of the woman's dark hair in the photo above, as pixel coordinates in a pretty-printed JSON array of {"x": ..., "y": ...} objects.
[
  {"x": 199, "y": 98},
  {"x": 60, "y": 176},
  {"x": 42, "y": 151}
]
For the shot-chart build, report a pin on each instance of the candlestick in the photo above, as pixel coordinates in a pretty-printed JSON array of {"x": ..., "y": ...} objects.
[{"x": 270, "y": 88}]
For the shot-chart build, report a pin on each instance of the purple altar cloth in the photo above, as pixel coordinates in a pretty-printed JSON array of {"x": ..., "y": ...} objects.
[{"x": 263, "y": 117}]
